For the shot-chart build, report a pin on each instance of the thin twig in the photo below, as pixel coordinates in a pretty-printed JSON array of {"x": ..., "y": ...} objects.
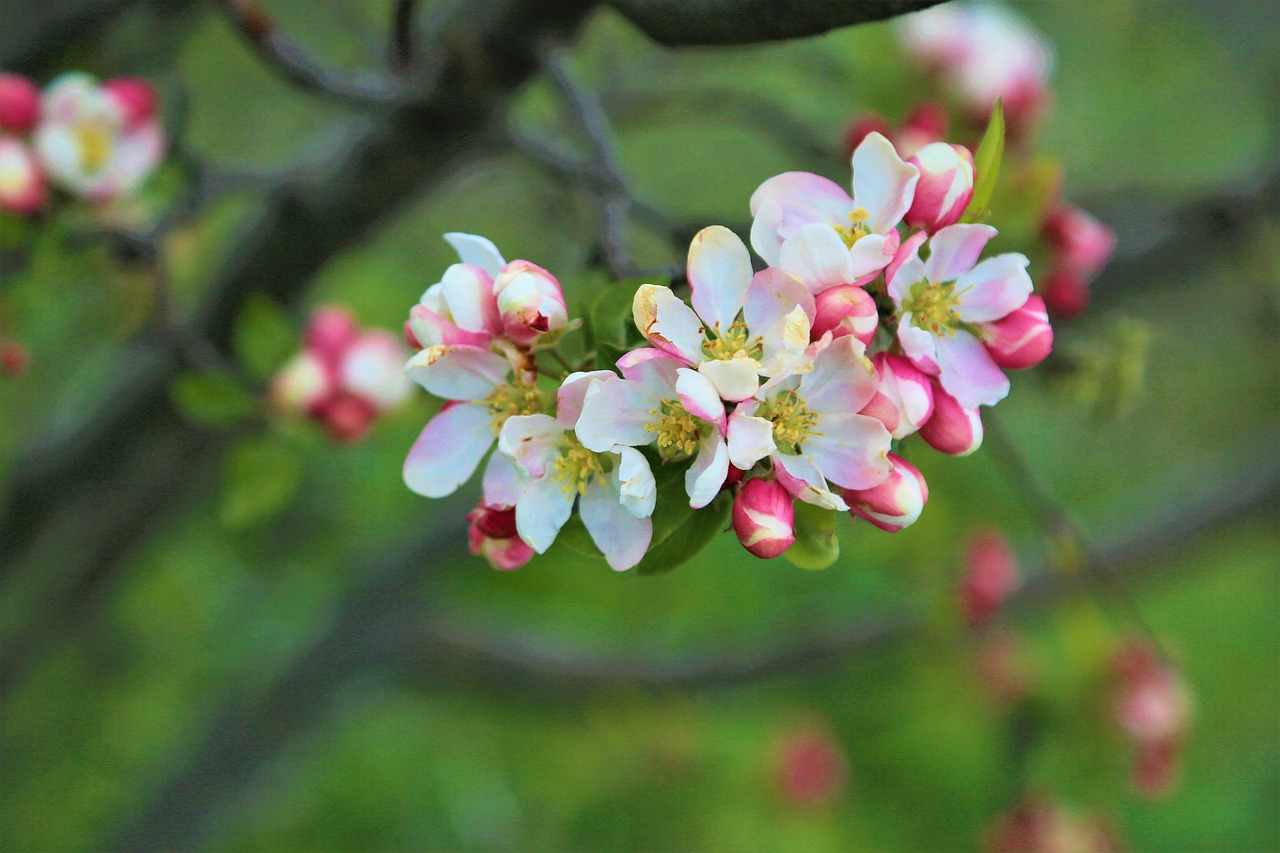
[{"x": 404, "y": 35}]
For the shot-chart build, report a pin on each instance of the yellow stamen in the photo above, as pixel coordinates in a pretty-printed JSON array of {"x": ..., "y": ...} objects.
[
  {"x": 577, "y": 466},
  {"x": 727, "y": 345},
  {"x": 856, "y": 229},
  {"x": 793, "y": 421},
  {"x": 678, "y": 431},
  {"x": 507, "y": 401},
  {"x": 94, "y": 143},
  {"x": 933, "y": 307}
]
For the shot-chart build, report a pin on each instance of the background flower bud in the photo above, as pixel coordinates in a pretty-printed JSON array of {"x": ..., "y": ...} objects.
[
  {"x": 812, "y": 769},
  {"x": 862, "y": 127},
  {"x": 348, "y": 417},
  {"x": 330, "y": 331},
  {"x": 764, "y": 518},
  {"x": 1079, "y": 242},
  {"x": 845, "y": 310},
  {"x": 945, "y": 187},
  {"x": 925, "y": 124},
  {"x": 530, "y": 302},
  {"x": 990, "y": 576},
  {"x": 13, "y": 358},
  {"x": 303, "y": 384},
  {"x": 951, "y": 428},
  {"x": 19, "y": 103},
  {"x": 492, "y": 535},
  {"x": 22, "y": 185},
  {"x": 908, "y": 389},
  {"x": 1066, "y": 295},
  {"x": 894, "y": 504},
  {"x": 1022, "y": 338},
  {"x": 135, "y": 97},
  {"x": 373, "y": 368}
]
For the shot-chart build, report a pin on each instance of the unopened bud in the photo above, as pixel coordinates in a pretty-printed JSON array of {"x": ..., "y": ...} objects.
[
  {"x": 952, "y": 428},
  {"x": 13, "y": 358},
  {"x": 1066, "y": 295},
  {"x": 1079, "y": 242},
  {"x": 329, "y": 332},
  {"x": 19, "y": 103},
  {"x": 302, "y": 385},
  {"x": 492, "y": 535},
  {"x": 348, "y": 417},
  {"x": 945, "y": 187},
  {"x": 135, "y": 97},
  {"x": 990, "y": 576},
  {"x": 863, "y": 127},
  {"x": 894, "y": 504},
  {"x": 764, "y": 517},
  {"x": 908, "y": 389},
  {"x": 373, "y": 368},
  {"x": 22, "y": 185},
  {"x": 1022, "y": 338},
  {"x": 530, "y": 302},
  {"x": 845, "y": 310}
]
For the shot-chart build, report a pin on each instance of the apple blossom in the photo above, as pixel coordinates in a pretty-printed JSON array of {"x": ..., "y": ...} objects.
[
  {"x": 491, "y": 533},
  {"x": 845, "y": 310},
  {"x": 907, "y": 391},
  {"x": 87, "y": 144},
  {"x": 952, "y": 428},
  {"x": 22, "y": 184},
  {"x": 894, "y": 504},
  {"x": 810, "y": 427},
  {"x": 1023, "y": 338},
  {"x": 945, "y": 186},
  {"x": 741, "y": 327},
  {"x": 942, "y": 300},
  {"x": 810, "y": 227},
  {"x": 19, "y": 104},
  {"x": 764, "y": 517},
  {"x": 530, "y": 303}
]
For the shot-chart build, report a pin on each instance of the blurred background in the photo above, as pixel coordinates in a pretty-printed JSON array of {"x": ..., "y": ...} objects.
[{"x": 285, "y": 649}]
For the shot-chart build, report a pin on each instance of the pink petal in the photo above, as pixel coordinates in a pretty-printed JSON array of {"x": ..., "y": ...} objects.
[
  {"x": 448, "y": 450},
  {"x": 842, "y": 380},
  {"x": 968, "y": 373},
  {"x": 954, "y": 250},
  {"x": 700, "y": 398},
  {"x": 852, "y": 451},
  {"x": 784, "y": 203},
  {"x": 705, "y": 477},
  {"x": 993, "y": 288}
]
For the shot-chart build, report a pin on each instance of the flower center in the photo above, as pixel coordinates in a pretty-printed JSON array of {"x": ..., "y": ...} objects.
[
  {"x": 793, "y": 421},
  {"x": 933, "y": 307},
  {"x": 507, "y": 401},
  {"x": 577, "y": 466},
  {"x": 856, "y": 229},
  {"x": 678, "y": 431},
  {"x": 93, "y": 143},
  {"x": 732, "y": 343}
]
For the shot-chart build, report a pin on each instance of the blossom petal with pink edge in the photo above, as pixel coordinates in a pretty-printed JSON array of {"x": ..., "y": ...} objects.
[
  {"x": 636, "y": 364},
  {"x": 818, "y": 257},
  {"x": 749, "y": 439},
  {"x": 852, "y": 450},
  {"x": 907, "y": 249},
  {"x": 846, "y": 310},
  {"x": 458, "y": 372},
  {"x": 993, "y": 288},
  {"x": 467, "y": 290},
  {"x": 448, "y": 450},
  {"x": 700, "y": 398},
  {"x": 477, "y": 251},
  {"x": 952, "y": 428},
  {"x": 870, "y": 255},
  {"x": 908, "y": 389},
  {"x": 966, "y": 370},
  {"x": 954, "y": 250},
  {"x": 784, "y": 203},
  {"x": 842, "y": 379},
  {"x": 920, "y": 345},
  {"x": 668, "y": 323},
  {"x": 802, "y": 478},
  {"x": 719, "y": 274},
  {"x": 572, "y": 393},
  {"x": 542, "y": 511},
  {"x": 909, "y": 271},
  {"x": 533, "y": 442},
  {"x": 617, "y": 412},
  {"x": 1022, "y": 339},
  {"x": 772, "y": 295},
  {"x": 708, "y": 472},
  {"x": 431, "y": 329},
  {"x": 894, "y": 504},
  {"x": 621, "y": 537},
  {"x": 502, "y": 483},
  {"x": 883, "y": 183}
]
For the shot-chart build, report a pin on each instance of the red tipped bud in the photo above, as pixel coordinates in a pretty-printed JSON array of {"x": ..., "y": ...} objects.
[
  {"x": 907, "y": 389},
  {"x": 894, "y": 504},
  {"x": 1022, "y": 338},
  {"x": 846, "y": 310},
  {"x": 945, "y": 187},
  {"x": 19, "y": 103},
  {"x": 952, "y": 428},
  {"x": 1079, "y": 242},
  {"x": 22, "y": 184},
  {"x": 348, "y": 417},
  {"x": 135, "y": 97},
  {"x": 492, "y": 535},
  {"x": 764, "y": 518},
  {"x": 990, "y": 576},
  {"x": 1066, "y": 296},
  {"x": 530, "y": 302}
]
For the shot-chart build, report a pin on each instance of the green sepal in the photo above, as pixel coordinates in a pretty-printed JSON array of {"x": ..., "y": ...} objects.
[
  {"x": 986, "y": 166},
  {"x": 816, "y": 545}
]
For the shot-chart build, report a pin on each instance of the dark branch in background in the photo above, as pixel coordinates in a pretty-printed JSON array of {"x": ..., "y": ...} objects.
[
  {"x": 292, "y": 61},
  {"x": 718, "y": 22},
  {"x": 32, "y": 32},
  {"x": 404, "y": 36}
]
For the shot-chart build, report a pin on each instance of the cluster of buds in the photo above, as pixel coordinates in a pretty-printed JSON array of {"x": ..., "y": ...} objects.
[
  {"x": 94, "y": 141},
  {"x": 1079, "y": 247},
  {"x": 1152, "y": 709},
  {"x": 1041, "y": 825},
  {"x": 787, "y": 384},
  {"x": 343, "y": 378}
]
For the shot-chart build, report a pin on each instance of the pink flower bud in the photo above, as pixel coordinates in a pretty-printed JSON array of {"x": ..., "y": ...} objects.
[
  {"x": 347, "y": 417},
  {"x": 1156, "y": 768},
  {"x": 19, "y": 103},
  {"x": 1022, "y": 338},
  {"x": 22, "y": 185},
  {"x": 846, "y": 310},
  {"x": 303, "y": 384},
  {"x": 863, "y": 127},
  {"x": 373, "y": 368},
  {"x": 812, "y": 768},
  {"x": 492, "y": 535},
  {"x": 1080, "y": 243},
  {"x": 13, "y": 358},
  {"x": 530, "y": 302},
  {"x": 945, "y": 187},
  {"x": 894, "y": 504},
  {"x": 925, "y": 124},
  {"x": 908, "y": 389},
  {"x": 135, "y": 97},
  {"x": 1151, "y": 702},
  {"x": 951, "y": 428},
  {"x": 329, "y": 332},
  {"x": 990, "y": 576},
  {"x": 1066, "y": 296},
  {"x": 763, "y": 518}
]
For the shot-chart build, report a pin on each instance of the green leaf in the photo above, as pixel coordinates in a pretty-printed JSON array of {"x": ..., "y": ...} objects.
[
  {"x": 986, "y": 165},
  {"x": 607, "y": 355},
  {"x": 264, "y": 337},
  {"x": 575, "y": 537},
  {"x": 212, "y": 399},
  {"x": 609, "y": 310},
  {"x": 816, "y": 545},
  {"x": 688, "y": 539},
  {"x": 261, "y": 476}
]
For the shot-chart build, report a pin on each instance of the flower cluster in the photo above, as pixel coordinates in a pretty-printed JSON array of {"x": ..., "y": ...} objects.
[
  {"x": 791, "y": 383},
  {"x": 94, "y": 141},
  {"x": 1152, "y": 708},
  {"x": 344, "y": 378}
]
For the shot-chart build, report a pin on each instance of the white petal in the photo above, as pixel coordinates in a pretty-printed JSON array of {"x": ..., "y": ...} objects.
[
  {"x": 993, "y": 289},
  {"x": 573, "y": 391},
  {"x": 458, "y": 372},
  {"x": 818, "y": 257},
  {"x": 843, "y": 380},
  {"x": 541, "y": 511},
  {"x": 621, "y": 537},
  {"x": 786, "y": 202},
  {"x": 801, "y": 477},
  {"x": 637, "y": 489},
  {"x": 719, "y": 274},
  {"x": 735, "y": 379},
  {"x": 700, "y": 398},
  {"x": 668, "y": 323},
  {"x": 954, "y": 250},
  {"x": 919, "y": 345},
  {"x": 503, "y": 483},
  {"x": 617, "y": 412},
  {"x": 852, "y": 452},
  {"x": 467, "y": 291},
  {"x": 533, "y": 442},
  {"x": 883, "y": 184},
  {"x": 750, "y": 439},
  {"x": 708, "y": 472},
  {"x": 968, "y": 373},
  {"x": 869, "y": 255},
  {"x": 448, "y": 450},
  {"x": 911, "y": 272},
  {"x": 477, "y": 251}
]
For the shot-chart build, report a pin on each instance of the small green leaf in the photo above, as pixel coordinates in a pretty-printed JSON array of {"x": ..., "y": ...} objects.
[
  {"x": 986, "y": 165},
  {"x": 265, "y": 337},
  {"x": 609, "y": 310},
  {"x": 816, "y": 545},
  {"x": 690, "y": 538},
  {"x": 261, "y": 476},
  {"x": 212, "y": 399},
  {"x": 607, "y": 355},
  {"x": 575, "y": 537}
]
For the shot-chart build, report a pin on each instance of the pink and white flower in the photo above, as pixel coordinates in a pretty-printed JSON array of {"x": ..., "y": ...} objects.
[
  {"x": 945, "y": 187},
  {"x": 22, "y": 186},
  {"x": 907, "y": 390},
  {"x": 810, "y": 427},
  {"x": 894, "y": 504},
  {"x": 845, "y": 309},
  {"x": 460, "y": 308},
  {"x": 952, "y": 428},
  {"x": 530, "y": 303},
  {"x": 942, "y": 301},
  {"x": 1022, "y": 339},
  {"x": 810, "y": 227},
  {"x": 615, "y": 491},
  {"x": 741, "y": 327},
  {"x": 764, "y": 518},
  {"x": 94, "y": 141},
  {"x": 660, "y": 401}
]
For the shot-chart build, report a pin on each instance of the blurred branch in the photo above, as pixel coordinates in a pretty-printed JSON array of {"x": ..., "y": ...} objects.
[
  {"x": 33, "y": 31},
  {"x": 403, "y": 35},
  {"x": 290, "y": 60},
  {"x": 711, "y": 22}
]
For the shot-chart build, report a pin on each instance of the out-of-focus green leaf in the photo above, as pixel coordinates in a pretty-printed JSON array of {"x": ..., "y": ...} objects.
[
  {"x": 816, "y": 545},
  {"x": 260, "y": 477},
  {"x": 687, "y": 540},
  {"x": 986, "y": 165},
  {"x": 212, "y": 399},
  {"x": 265, "y": 337}
]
